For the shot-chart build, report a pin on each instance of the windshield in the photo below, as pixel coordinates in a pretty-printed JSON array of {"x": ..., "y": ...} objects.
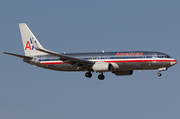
[{"x": 166, "y": 56}]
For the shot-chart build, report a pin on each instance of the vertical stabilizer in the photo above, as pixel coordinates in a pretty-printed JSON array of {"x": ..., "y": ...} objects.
[{"x": 27, "y": 37}]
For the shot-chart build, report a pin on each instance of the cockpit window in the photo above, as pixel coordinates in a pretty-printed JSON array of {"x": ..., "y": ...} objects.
[{"x": 166, "y": 56}]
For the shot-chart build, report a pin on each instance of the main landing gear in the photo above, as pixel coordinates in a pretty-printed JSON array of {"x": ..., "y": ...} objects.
[
  {"x": 101, "y": 76},
  {"x": 89, "y": 75}
]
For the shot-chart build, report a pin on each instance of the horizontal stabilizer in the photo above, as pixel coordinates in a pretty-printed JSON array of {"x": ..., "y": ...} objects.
[{"x": 20, "y": 56}]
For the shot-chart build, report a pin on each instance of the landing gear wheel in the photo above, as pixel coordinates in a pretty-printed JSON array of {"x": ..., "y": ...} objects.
[
  {"x": 101, "y": 77},
  {"x": 88, "y": 74},
  {"x": 159, "y": 74}
]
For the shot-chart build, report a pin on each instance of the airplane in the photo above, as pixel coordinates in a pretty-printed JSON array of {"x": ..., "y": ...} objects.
[{"x": 119, "y": 63}]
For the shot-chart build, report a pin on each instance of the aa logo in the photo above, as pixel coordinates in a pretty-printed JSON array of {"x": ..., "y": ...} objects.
[{"x": 29, "y": 45}]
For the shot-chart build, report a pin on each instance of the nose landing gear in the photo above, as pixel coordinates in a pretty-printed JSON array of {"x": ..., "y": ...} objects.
[
  {"x": 159, "y": 74},
  {"x": 161, "y": 69}
]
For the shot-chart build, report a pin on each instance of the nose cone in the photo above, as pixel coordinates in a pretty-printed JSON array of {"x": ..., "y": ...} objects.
[{"x": 173, "y": 62}]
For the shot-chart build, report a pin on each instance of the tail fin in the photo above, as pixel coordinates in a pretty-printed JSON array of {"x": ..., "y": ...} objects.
[{"x": 27, "y": 37}]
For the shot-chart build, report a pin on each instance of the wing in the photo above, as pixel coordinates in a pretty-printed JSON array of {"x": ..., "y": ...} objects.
[{"x": 67, "y": 59}]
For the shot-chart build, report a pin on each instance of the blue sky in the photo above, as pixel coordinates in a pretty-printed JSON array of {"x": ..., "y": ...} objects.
[{"x": 89, "y": 26}]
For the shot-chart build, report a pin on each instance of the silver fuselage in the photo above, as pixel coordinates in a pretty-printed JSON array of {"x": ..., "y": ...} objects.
[{"x": 137, "y": 60}]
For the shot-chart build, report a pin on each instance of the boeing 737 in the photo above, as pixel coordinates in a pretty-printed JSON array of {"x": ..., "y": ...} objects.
[{"x": 119, "y": 63}]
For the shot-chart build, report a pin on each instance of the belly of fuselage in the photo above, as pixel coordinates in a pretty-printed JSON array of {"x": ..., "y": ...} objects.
[
  {"x": 142, "y": 65},
  {"x": 122, "y": 66}
]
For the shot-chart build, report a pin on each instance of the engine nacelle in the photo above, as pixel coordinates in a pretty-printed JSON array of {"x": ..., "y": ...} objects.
[
  {"x": 102, "y": 67},
  {"x": 123, "y": 72}
]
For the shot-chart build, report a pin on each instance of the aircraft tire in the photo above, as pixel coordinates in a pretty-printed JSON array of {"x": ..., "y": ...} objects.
[
  {"x": 101, "y": 77},
  {"x": 88, "y": 74},
  {"x": 159, "y": 74}
]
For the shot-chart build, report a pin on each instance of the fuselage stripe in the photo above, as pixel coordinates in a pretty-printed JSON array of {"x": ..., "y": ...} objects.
[{"x": 115, "y": 61}]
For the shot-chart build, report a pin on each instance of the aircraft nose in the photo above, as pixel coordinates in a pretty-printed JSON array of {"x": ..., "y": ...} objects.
[{"x": 173, "y": 62}]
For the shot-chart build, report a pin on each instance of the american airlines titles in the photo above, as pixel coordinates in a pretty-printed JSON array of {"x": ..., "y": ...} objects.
[{"x": 129, "y": 54}]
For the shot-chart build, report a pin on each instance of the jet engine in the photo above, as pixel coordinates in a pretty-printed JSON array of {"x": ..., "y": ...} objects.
[
  {"x": 102, "y": 67},
  {"x": 123, "y": 72}
]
